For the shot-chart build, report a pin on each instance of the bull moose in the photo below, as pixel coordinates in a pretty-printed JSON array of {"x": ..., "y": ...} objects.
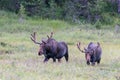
[
  {"x": 92, "y": 53},
  {"x": 51, "y": 48}
]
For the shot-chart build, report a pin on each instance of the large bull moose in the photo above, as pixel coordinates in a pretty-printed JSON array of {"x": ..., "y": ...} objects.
[
  {"x": 92, "y": 53},
  {"x": 51, "y": 48}
]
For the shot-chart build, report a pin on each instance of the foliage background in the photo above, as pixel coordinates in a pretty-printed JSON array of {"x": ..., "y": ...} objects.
[{"x": 79, "y": 11}]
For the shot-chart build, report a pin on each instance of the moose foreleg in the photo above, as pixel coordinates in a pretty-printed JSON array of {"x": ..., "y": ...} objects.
[
  {"x": 54, "y": 59},
  {"x": 46, "y": 59}
]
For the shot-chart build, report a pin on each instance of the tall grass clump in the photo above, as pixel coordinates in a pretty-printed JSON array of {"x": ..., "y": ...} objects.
[{"x": 19, "y": 23}]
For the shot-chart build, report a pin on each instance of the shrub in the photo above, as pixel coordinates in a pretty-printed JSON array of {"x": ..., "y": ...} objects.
[
  {"x": 107, "y": 19},
  {"x": 98, "y": 25}
]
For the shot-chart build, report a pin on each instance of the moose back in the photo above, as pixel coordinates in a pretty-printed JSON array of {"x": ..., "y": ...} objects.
[{"x": 51, "y": 48}]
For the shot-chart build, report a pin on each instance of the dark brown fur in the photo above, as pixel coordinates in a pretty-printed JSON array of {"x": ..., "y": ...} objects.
[
  {"x": 55, "y": 50},
  {"x": 92, "y": 53},
  {"x": 51, "y": 48}
]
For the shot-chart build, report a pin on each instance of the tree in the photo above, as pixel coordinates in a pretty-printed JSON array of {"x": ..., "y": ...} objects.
[{"x": 10, "y": 5}]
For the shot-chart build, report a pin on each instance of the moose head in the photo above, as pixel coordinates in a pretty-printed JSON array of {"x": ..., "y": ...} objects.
[
  {"x": 92, "y": 52},
  {"x": 42, "y": 44}
]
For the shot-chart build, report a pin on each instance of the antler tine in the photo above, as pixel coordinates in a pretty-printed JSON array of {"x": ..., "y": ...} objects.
[
  {"x": 78, "y": 45},
  {"x": 51, "y": 35},
  {"x": 98, "y": 43},
  {"x": 33, "y": 38},
  {"x": 48, "y": 36}
]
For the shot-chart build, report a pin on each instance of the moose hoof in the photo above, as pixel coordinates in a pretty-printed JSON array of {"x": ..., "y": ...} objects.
[
  {"x": 88, "y": 63},
  {"x": 93, "y": 64}
]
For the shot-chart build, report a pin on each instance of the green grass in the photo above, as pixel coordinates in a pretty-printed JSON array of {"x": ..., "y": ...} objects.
[{"x": 19, "y": 59}]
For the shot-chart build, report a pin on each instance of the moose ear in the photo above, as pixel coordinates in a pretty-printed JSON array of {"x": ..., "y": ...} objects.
[{"x": 43, "y": 42}]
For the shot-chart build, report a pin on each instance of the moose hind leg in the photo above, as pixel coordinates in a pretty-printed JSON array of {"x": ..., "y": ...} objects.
[
  {"x": 98, "y": 62},
  {"x": 66, "y": 57},
  {"x": 59, "y": 60}
]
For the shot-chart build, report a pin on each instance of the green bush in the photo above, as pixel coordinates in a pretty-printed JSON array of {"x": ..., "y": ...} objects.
[
  {"x": 98, "y": 25},
  {"x": 22, "y": 11},
  {"x": 107, "y": 19},
  {"x": 78, "y": 11}
]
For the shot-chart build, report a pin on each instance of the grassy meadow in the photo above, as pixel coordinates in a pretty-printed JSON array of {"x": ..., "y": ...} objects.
[{"x": 19, "y": 59}]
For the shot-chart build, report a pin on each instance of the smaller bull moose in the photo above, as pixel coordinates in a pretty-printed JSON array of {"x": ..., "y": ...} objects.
[
  {"x": 92, "y": 53},
  {"x": 51, "y": 48}
]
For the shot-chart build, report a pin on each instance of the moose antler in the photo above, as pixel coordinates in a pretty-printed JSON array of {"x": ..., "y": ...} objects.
[
  {"x": 33, "y": 38},
  {"x": 98, "y": 45},
  {"x": 78, "y": 45},
  {"x": 50, "y": 35}
]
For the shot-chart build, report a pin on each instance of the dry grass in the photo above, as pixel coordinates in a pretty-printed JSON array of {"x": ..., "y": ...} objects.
[
  {"x": 24, "y": 63},
  {"x": 19, "y": 59}
]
